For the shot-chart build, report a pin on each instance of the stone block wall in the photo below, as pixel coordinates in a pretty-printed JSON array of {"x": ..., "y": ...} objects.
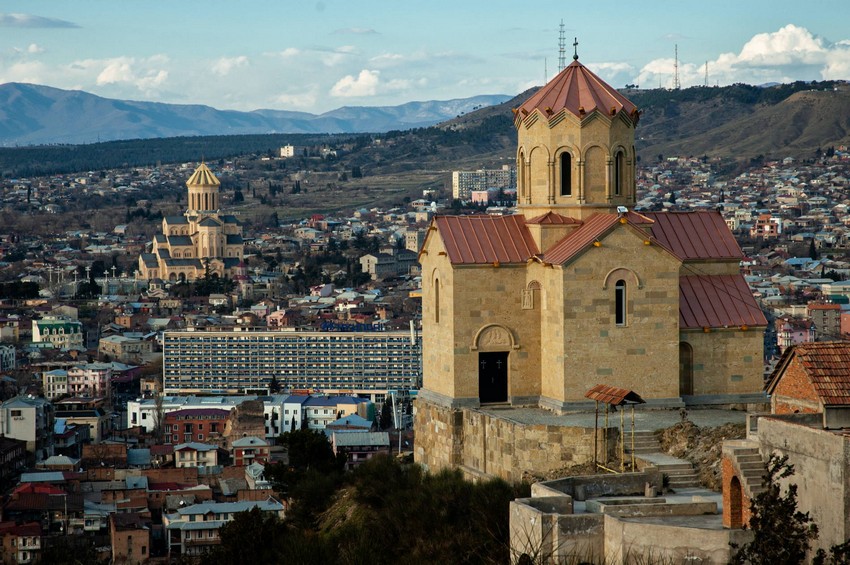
[
  {"x": 484, "y": 444},
  {"x": 727, "y": 361}
]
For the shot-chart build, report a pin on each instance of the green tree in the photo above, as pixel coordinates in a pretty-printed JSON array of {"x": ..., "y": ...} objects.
[{"x": 782, "y": 534}]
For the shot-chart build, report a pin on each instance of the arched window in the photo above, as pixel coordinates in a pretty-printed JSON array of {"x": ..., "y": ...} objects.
[
  {"x": 620, "y": 302},
  {"x": 437, "y": 301},
  {"x": 566, "y": 174},
  {"x": 619, "y": 172},
  {"x": 686, "y": 369}
]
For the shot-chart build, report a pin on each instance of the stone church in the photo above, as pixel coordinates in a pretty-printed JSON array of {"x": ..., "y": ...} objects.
[
  {"x": 578, "y": 289},
  {"x": 201, "y": 239}
]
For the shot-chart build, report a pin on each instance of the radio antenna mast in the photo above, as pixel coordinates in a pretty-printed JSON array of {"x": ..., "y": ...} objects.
[{"x": 562, "y": 46}]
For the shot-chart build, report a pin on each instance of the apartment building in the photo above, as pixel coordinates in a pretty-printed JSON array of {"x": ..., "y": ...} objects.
[
  {"x": 245, "y": 362},
  {"x": 465, "y": 182},
  {"x": 192, "y": 530}
]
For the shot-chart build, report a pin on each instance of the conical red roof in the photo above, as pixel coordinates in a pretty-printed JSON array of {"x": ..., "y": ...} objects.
[{"x": 580, "y": 92}]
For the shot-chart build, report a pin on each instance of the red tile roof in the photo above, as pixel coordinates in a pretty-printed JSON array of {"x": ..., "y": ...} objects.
[
  {"x": 695, "y": 235},
  {"x": 486, "y": 239},
  {"x": 827, "y": 365},
  {"x": 717, "y": 301},
  {"x": 613, "y": 395},
  {"x": 578, "y": 91}
]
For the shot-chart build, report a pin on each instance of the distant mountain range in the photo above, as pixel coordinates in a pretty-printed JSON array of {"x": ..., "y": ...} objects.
[{"x": 34, "y": 115}]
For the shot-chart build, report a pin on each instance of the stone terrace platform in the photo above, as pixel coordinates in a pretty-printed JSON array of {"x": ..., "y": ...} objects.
[{"x": 645, "y": 420}]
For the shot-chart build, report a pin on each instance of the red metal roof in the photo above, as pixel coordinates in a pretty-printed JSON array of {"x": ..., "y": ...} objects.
[
  {"x": 827, "y": 365},
  {"x": 580, "y": 239},
  {"x": 551, "y": 218},
  {"x": 613, "y": 395},
  {"x": 717, "y": 301},
  {"x": 695, "y": 235},
  {"x": 578, "y": 91},
  {"x": 486, "y": 239}
]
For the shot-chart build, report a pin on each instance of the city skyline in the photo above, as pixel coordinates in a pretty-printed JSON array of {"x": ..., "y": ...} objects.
[{"x": 323, "y": 55}]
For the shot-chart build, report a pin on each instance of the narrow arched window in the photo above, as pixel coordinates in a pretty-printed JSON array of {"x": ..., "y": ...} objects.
[
  {"x": 620, "y": 303},
  {"x": 437, "y": 301},
  {"x": 566, "y": 174},
  {"x": 619, "y": 170}
]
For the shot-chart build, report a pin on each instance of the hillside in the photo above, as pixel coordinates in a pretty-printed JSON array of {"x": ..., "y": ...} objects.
[
  {"x": 737, "y": 121},
  {"x": 33, "y": 114}
]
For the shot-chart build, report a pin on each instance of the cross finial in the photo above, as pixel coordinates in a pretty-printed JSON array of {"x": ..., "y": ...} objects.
[{"x": 575, "y": 49}]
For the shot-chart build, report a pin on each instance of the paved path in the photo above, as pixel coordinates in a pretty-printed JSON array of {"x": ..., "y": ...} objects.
[{"x": 649, "y": 420}]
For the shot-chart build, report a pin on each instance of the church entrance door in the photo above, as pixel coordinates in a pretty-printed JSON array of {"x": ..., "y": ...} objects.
[{"x": 493, "y": 377}]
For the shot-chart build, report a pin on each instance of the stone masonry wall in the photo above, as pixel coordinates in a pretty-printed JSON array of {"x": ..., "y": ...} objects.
[{"x": 484, "y": 444}]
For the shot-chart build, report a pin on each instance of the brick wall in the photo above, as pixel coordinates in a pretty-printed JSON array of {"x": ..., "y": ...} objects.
[
  {"x": 794, "y": 392},
  {"x": 736, "y": 509}
]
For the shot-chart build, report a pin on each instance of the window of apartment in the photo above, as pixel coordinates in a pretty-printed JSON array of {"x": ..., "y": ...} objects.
[
  {"x": 16, "y": 413},
  {"x": 210, "y": 534},
  {"x": 200, "y": 437},
  {"x": 213, "y": 428},
  {"x": 176, "y": 437},
  {"x": 200, "y": 427},
  {"x": 144, "y": 416}
]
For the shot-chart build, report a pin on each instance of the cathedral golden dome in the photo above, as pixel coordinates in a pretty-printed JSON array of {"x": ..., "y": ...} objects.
[{"x": 202, "y": 176}]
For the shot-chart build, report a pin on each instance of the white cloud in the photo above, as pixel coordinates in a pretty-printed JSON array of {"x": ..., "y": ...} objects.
[
  {"x": 298, "y": 100},
  {"x": 788, "y": 54},
  {"x": 35, "y": 48},
  {"x": 336, "y": 56},
  {"x": 224, "y": 65},
  {"x": 287, "y": 53},
  {"x": 355, "y": 31},
  {"x": 31, "y": 21},
  {"x": 144, "y": 76},
  {"x": 387, "y": 59},
  {"x": 365, "y": 84}
]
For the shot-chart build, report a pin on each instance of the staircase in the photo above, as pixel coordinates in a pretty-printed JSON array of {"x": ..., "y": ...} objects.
[
  {"x": 750, "y": 466},
  {"x": 680, "y": 475},
  {"x": 645, "y": 442}
]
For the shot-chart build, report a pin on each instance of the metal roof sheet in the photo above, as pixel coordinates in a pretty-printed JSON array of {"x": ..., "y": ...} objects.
[
  {"x": 717, "y": 301},
  {"x": 826, "y": 364},
  {"x": 580, "y": 239},
  {"x": 613, "y": 395},
  {"x": 580, "y": 92},
  {"x": 695, "y": 235},
  {"x": 486, "y": 239},
  {"x": 551, "y": 218}
]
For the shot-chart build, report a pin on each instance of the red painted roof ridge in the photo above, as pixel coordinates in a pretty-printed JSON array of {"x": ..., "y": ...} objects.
[
  {"x": 553, "y": 219},
  {"x": 579, "y": 91}
]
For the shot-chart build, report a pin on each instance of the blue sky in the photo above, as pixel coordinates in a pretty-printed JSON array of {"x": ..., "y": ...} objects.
[{"x": 319, "y": 55}]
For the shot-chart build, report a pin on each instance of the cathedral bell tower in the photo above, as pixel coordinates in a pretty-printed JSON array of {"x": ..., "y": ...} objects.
[
  {"x": 575, "y": 151},
  {"x": 203, "y": 191}
]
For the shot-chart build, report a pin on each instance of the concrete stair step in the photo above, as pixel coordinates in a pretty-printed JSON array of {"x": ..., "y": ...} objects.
[
  {"x": 667, "y": 467},
  {"x": 749, "y": 459}
]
